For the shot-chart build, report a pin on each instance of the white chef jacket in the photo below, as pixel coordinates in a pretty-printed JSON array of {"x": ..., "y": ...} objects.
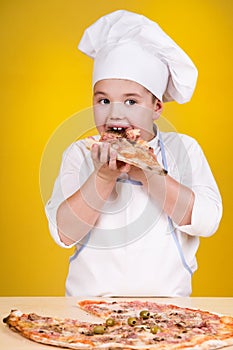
[{"x": 132, "y": 250}]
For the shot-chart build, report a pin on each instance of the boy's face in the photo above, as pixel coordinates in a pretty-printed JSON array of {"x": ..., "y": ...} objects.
[{"x": 125, "y": 104}]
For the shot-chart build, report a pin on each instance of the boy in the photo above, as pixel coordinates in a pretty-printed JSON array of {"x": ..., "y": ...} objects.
[{"x": 136, "y": 233}]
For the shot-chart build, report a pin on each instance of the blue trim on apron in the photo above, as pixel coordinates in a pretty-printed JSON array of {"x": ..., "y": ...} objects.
[
  {"x": 130, "y": 181},
  {"x": 78, "y": 251}
]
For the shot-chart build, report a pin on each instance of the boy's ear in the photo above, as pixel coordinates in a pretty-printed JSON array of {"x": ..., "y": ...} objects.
[{"x": 158, "y": 108}]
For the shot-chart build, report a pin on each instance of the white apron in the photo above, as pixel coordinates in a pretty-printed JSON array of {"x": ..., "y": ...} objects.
[{"x": 133, "y": 251}]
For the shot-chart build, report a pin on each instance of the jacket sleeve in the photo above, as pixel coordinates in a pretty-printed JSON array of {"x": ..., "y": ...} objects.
[
  {"x": 207, "y": 209},
  {"x": 69, "y": 180}
]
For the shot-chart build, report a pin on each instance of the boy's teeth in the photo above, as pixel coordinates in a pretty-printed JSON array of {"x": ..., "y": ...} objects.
[{"x": 117, "y": 129}]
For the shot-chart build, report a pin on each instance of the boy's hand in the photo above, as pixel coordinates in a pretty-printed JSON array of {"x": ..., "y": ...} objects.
[
  {"x": 105, "y": 162},
  {"x": 137, "y": 174}
]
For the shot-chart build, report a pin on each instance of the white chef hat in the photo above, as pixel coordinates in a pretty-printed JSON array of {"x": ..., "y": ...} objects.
[{"x": 126, "y": 45}]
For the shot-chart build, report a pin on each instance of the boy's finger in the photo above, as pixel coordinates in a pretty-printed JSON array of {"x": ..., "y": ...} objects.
[
  {"x": 95, "y": 152},
  {"x": 104, "y": 153},
  {"x": 125, "y": 168},
  {"x": 113, "y": 160}
]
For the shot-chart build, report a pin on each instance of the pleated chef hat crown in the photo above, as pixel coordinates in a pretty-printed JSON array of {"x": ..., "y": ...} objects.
[{"x": 126, "y": 45}]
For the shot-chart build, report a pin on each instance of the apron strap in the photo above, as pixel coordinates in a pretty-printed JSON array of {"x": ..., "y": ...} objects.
[{"x": 170, "y": 223}]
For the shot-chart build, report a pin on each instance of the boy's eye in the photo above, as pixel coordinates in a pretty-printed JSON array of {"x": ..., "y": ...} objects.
[
  {"x": 104, "y": 101},
  {"x": 130, "y": 102}
]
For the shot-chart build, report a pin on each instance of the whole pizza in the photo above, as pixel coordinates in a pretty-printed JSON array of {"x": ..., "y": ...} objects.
[{"x": 136, "y": 324}]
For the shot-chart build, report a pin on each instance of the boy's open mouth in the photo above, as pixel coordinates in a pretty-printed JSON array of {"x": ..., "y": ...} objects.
[
  {"x": 122, "y": 131},
  {"x": 119, "y": 129}
]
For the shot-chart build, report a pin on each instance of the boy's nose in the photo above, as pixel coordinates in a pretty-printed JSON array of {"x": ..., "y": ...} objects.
[{"x": 117, "y": 110}]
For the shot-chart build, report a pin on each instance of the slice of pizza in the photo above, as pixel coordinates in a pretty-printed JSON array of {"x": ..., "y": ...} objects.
[{"x": 130, "y": 149}]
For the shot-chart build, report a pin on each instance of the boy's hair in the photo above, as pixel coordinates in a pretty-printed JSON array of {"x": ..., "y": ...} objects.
[{"x": 154, "y": 98}]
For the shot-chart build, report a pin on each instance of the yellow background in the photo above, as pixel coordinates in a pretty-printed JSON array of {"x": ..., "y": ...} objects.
[{"x": 45, "y": 80}]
